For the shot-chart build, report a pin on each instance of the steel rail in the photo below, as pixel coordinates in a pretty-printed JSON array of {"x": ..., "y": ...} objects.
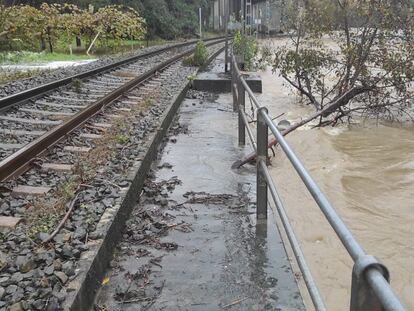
[
  {"x": 11, "y": 100},
  {"x": 20, "y": 161}
]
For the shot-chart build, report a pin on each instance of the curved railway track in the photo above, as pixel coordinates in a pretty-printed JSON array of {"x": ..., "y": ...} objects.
[{"x": 33, "y": 121}]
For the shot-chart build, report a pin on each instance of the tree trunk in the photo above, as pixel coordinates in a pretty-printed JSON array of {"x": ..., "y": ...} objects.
[
  {"x": 78, "y": 41},
  {"x": 42, "y": 43},
  {"x": 49, "y": 38}
]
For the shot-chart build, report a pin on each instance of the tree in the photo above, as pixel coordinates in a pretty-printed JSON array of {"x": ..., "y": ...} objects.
[
  {"x": 117, "y": 22},
  {"x": 348, "y": 58},
  {"x": 51, "y": 23}
]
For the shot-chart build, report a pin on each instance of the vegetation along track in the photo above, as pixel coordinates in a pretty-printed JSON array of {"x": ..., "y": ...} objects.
[{"x": 34, "y": 120}]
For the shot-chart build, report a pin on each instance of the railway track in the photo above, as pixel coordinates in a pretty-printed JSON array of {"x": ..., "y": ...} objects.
[
  {"x": 33, "y": 121},
  {"x": 82, "y": 176}
]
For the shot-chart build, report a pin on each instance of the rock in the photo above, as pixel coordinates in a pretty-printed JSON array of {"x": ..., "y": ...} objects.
[
  {"x": 67, "y": 251},
  {"x": 61, "y": 276},
  {"x": 76, "y": 253},
  {"x": 80, "y": 234},
  {"x": 49, "y": 270},
  {"x": 61, "y": 296},
  {"x": 25, "y": 264},
  {"x": 2, "y": 292},
  {"x": 38, "y": 304},
  {"x": 16, "y": 278},
  {"x": 68, "y": 268},
  {"x": 3, "y": 260},
  {"x": 42, "y": 236},
  {"x": 16, "y": 307},
  {"x": 4, "y": 281},
  {"x": 57, "y": 264},
  {"x": 11, "y": 289},
  {"x": 53, "y": 304},
  {"x": 123, "y": 184}
]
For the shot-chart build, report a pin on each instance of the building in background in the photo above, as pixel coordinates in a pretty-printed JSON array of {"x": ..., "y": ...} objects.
[{"x": 264, "y": 16}]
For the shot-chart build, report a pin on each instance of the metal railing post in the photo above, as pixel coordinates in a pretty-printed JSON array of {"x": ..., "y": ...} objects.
[
  {"x": 234, "y": 88},
  {"x": 261, "y": 183},
  {"x": 241, "y": 109},
  {"x": 362, "y": 296},
  {"x": 226, "y": 54}
]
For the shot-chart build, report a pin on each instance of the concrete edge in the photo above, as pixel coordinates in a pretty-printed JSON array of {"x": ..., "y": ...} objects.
[{"x": 93, "y": 264}]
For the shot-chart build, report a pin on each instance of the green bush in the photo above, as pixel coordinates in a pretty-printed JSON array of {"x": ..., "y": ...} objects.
[
  {"x": 247, "y": 47},
  {"x": 200, "y": 54}
]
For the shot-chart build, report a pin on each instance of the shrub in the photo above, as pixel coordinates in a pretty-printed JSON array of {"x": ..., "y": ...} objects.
[
  {"x": 200, "y": 54},
  {"x": 247, "y": 47}
]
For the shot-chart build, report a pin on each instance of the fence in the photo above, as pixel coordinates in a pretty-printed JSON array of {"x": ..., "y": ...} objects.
[{"x": 370, "y": 289}]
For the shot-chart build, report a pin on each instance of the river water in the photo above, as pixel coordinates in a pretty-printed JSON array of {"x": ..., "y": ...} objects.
[{"x": 367, "y": 172}]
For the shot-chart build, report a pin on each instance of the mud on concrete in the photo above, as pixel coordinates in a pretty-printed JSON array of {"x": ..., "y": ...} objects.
[{"x": 192, "y": 242}]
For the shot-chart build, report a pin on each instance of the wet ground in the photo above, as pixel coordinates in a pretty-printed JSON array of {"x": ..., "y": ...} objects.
[{"x": 192, "y": 242}]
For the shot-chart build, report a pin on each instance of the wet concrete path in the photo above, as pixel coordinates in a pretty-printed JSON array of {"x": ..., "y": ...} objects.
[{"x": 192, "y": 242}]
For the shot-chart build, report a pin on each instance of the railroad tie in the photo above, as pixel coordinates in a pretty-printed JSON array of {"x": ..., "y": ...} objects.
[
  {"x": 90, "y": 136},
  {"x": 57, "y": 167},
  {"x": 76, "y": 149},
  {"x": 30, "y": 190},
  {"x": 9, "y": 222}
]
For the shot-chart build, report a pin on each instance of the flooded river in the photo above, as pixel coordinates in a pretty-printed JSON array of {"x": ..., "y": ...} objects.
[{"x": 367, "y": 172}]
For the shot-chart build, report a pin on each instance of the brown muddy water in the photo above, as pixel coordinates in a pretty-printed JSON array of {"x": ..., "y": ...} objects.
[{"x": 367, "y": 172}]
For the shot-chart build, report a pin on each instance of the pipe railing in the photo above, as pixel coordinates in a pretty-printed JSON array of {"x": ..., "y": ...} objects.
[{"x": 370, "y": 289}]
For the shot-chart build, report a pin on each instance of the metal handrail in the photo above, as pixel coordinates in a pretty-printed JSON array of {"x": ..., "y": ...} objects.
[{"x": 370, "y": 279}]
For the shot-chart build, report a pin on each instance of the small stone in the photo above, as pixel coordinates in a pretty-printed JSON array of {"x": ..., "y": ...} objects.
[
  {"x": 60, "y": 295},
  {"x": 53, "y": 304},
  {"x": 61, "y": 276},
  {"x": 123, "y": 184},
  {"x": 67, "y": 251},
  {"x": 16, "y": 307},
  {"x": 42, "y": 236},
  {"x": 25, "y": 264},
  {"x": 57, "y": 264},
  {"x": 80, "y": 234},
  {"x": 49, "y": 270},
  {"x": 2, "y": 292},
  {"x": 4, "y": 280},
  {"x": 3, "y": 260},
  {"x": 16, "y": 278},
  {"x": 38, "y": 304},
  {"x": 11, "y": 289},
  {"x": 68, "y": 268}
]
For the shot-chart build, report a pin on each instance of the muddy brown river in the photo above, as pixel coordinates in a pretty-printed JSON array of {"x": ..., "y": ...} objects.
[{"x": 367, "y": 172}]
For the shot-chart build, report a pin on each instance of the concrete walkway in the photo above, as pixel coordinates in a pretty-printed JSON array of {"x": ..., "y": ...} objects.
[{"x": 212, "y": 256}]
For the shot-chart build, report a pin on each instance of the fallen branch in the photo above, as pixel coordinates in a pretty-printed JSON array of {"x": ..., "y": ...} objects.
[
  {"x": 63, "y": 221},
  {"x": 341, "y": 101},
  {"x": 234, "y": 303}
]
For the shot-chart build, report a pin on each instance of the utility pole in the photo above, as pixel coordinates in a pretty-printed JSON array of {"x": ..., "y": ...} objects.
[
  {"x": 243, "y": 20},
  {"x": 199, "y": 14},
  {"x": 227, "y": 18}
]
